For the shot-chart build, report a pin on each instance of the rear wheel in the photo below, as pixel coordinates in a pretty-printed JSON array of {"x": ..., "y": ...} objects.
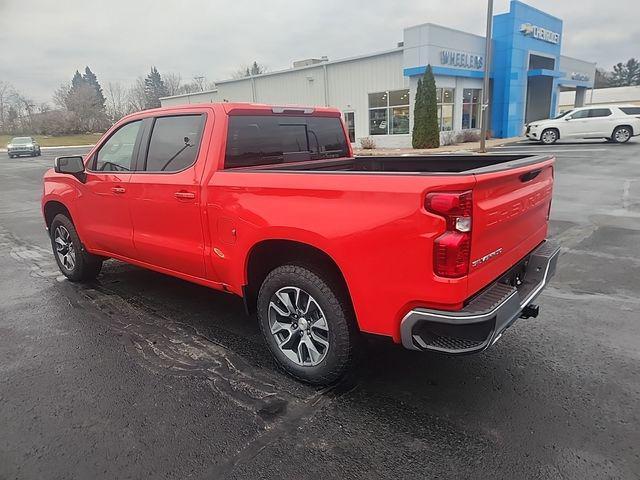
[
  {"x": 73, "y": 260},
  {"x": 307, "y": 323},
  {"x": 621, "y": 134},
  {"x": 549, "y": 136}
]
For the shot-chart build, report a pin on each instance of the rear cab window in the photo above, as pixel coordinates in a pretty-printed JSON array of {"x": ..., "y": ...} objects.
[{"x": 254, "y": 140}]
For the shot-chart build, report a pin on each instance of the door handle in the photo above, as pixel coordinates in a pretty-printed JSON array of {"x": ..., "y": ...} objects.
[
  {"x": 184, "y": 195},
  {"x": 118, "y": 190}
]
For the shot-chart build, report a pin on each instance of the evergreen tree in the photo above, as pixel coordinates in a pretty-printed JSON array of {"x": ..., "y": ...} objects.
[
  {"x": 77, "y": 81},
  {"x": 426, "y": 132},
  {"x": 91, "y": 80},
  {"x": 626, "y": 74},
  {"x": 154, "y": 89}
]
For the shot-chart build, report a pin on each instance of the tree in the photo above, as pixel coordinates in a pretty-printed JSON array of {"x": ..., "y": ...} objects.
[
  {"x": 117, "y": 104},
  {"x": 154, "y": 89},
  {"x": 6, "y": 89},
  {"x": 91, "y": 80},
  {"x": 426, "y": 132},
  {"x": 136, "y": 96},
  {"x": 626, "y": 74},
  {"x": 603, "y": 79},
  {"x": 172, "y": 81},
  {"x": 250, "y": 70}
]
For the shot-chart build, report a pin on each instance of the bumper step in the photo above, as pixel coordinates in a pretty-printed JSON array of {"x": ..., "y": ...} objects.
[{"x": 481, "y": 322}]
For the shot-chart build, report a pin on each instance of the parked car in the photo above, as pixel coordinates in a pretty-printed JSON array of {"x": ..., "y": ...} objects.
[
  {"x": 438, "y": 253},
  {"x": 615, "y": 123},
  {"x": 23, "y": 146}
]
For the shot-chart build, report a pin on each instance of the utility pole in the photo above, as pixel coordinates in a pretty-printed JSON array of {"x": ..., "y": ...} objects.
[{"x": 484, "y": 113}]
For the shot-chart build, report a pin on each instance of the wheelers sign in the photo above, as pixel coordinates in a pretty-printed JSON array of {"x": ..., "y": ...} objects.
[
  {"x": 540, "y": 33},
  {"x": 459, "y": 59}
]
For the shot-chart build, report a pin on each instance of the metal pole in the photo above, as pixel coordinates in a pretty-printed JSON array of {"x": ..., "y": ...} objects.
[{"x": 485, "y": 88}]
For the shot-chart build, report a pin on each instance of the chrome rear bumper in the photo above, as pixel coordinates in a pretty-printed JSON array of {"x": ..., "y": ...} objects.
[{"x": 483, "y": 320}]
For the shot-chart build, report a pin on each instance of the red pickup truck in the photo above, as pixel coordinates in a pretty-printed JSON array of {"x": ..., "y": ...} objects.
[{"x": 439, "y": 253}]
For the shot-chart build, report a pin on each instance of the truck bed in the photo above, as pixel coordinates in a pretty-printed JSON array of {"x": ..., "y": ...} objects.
[{"x": 415, "y": 164}]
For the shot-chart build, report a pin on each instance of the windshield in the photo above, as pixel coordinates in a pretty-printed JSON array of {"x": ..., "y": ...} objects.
[
  {"x": 21, "y": 140},
  {"x": 563, "y": 114}
]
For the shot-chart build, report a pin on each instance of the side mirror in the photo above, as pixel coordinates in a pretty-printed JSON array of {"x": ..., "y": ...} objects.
[
  {"x": 567, "y": 118},
  {"x": 71, "y": 166}
]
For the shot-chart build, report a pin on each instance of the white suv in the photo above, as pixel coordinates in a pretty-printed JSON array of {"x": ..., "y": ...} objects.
[{"x": 615, "y": 123}]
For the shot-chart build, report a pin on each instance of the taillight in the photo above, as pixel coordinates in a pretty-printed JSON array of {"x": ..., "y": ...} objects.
[{"x": 452, "y": 249}]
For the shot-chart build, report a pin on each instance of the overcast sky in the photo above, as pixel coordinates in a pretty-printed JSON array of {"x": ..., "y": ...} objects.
[{"x": 42, "y": 42}]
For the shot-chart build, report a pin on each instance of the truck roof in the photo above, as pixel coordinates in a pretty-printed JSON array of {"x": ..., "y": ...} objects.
[{"x": 259, "y": 108}]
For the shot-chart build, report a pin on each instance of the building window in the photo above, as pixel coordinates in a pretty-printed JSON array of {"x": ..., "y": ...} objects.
[
  {"x": 445, "y": 98},
  {"x": 350, "y": 122},
  {"x": 389, "y": 112},
  {"x": 471, "y": 107}
]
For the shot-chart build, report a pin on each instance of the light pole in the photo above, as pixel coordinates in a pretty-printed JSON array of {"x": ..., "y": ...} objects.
[{"x": 484, "y": 113}]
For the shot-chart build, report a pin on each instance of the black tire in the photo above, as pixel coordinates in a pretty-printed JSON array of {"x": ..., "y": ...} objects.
[
  {"x": 333, "y": 302},
  {"x": 549, "y": 136},
  {"x": 85, "y": 265},
  {"x": 621, "y": 134}
]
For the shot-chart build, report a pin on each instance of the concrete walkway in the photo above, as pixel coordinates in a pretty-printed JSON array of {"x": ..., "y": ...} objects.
[{"x": 458, "y": 148}]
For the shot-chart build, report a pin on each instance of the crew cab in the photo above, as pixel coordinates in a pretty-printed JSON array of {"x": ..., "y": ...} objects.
[
  {"x": 437, "y": 253},
  {"x": 616, "y": 123}
]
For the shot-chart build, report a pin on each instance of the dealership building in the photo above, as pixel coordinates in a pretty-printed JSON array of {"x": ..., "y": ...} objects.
[{"x": 375, "y": 92}]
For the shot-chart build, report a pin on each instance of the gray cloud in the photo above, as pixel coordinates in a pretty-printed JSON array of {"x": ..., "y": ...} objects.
[{"x": 44, "y": 42}]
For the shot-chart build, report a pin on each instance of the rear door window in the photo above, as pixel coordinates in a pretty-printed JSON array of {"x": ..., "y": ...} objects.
[
  {"x": 631, "y": 110},
  {"x": 262, "y": 140},
  {"x": 599, "y": 112},
  {"x": 174, "y": 143}
]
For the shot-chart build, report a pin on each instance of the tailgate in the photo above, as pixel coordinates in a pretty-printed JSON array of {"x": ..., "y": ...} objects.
[{"x": 510, "y": 216}]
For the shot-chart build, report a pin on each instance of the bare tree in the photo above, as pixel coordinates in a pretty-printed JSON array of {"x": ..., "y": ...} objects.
[
  {"x": 136, "y": 96},
  {"x": 250, "y": 70},
  {"x": 172, "y": 82},
  {"x": 117, "y": 104},
  {"x": 6, "y": 89},
  {"x": 61, "y": 95}
]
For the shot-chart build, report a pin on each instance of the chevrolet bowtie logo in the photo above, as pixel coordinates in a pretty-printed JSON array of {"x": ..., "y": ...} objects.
[{"x": 526, "y": 28}]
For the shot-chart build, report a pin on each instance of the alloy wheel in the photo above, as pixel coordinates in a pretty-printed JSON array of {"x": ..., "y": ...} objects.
[
  {"x": 549, "y": 136},
  {"x": 298, "y": 326},
  {"x": 64, "y": 247},
  {"x": 622, "y": 135}
]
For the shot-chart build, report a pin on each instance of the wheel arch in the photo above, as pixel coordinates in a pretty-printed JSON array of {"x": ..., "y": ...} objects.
[
  {"x": 52, "y": 208},
  {"x": 629, "y": 126},
  {"x": 268, "y": 254},
  {"x": 551, "y": 128}
]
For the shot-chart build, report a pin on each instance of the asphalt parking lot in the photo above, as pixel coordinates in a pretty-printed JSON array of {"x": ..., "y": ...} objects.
[{"x": 144, "y": 376}]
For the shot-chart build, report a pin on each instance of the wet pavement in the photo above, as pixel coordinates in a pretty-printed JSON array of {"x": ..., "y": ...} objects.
[{"x": 140, "y": 375}]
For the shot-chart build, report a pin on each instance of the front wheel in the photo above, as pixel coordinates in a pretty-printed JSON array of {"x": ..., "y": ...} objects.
[
  {"x": 549, "y": 136},
  {"x": 308, "y": 324},
  {"x": 621, "y": 135},
  {"x": 74, "y": 262}
]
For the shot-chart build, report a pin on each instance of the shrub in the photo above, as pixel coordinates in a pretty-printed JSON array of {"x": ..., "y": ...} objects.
[
  {"x": 367, "y": 143},
  {"x": 425, "y": 113},
  {"x": 449, "y": 138},
  {"x": 469, "y": 136}
]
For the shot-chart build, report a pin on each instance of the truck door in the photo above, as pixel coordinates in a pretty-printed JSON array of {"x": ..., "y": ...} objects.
[
  {"x": 104, "y": 212},
  {"x": 166, "y": 195}
]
